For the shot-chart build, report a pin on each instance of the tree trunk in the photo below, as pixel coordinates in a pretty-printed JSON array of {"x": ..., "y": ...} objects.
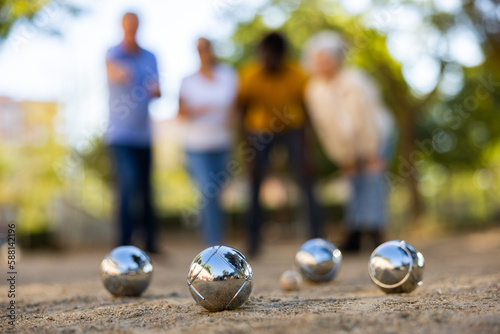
[{"x": 408, "y": 138}]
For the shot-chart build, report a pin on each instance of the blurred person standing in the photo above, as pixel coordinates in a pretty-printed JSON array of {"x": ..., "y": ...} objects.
[
  {"x": 206, "y": 106},
  {"x": 133, "y": 81},
  {"x": 272, "y": 101},
  {"x": 355, "y": 129}
]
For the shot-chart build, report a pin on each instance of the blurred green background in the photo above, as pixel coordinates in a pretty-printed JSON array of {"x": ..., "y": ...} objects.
[{"x": 445, "y": 176}]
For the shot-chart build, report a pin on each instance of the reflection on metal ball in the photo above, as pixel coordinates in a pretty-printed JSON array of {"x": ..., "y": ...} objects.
[
  {"x": 396, "y": 266},
  {"x": 126, "y": 271},
  {"x": 220, "y": 278},
  {"x": 318, "y": 260}
]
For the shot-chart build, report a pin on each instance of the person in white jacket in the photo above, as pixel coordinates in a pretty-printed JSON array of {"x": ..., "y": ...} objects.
[{"x": 355, "y": 130}]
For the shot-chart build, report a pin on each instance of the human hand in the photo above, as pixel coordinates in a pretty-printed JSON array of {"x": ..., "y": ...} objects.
[
  {"x": 190, "y": 112},
  {"x": 117, "y": 73},
  {"x": 348, "y": 169},
  {"x": 374, "y": 165}
]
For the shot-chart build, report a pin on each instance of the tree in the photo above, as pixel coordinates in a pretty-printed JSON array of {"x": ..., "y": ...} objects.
[
  {"x": 37, "y": 13},
  {"x": 367, "y": 49},
  {"x": 450, "y": 128}
]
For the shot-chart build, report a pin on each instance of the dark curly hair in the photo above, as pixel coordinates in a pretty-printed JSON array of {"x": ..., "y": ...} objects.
[{"x": 273, "y": 49}]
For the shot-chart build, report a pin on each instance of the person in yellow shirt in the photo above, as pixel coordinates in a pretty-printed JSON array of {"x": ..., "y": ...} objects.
[{"x": 271, "y": 98}]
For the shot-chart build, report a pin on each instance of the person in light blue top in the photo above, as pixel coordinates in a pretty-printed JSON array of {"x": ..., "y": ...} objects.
[{"x": 133, "y": 82}]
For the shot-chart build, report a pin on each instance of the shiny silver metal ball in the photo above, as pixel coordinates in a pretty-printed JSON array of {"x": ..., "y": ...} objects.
[
  {"x": 220, "y": 278},
  {"x": 318, "y": 260},
  {"x": 396, "y": 266},
  {"x": 126, "y": 271}
]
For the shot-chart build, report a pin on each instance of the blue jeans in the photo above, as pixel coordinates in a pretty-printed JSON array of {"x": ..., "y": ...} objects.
[
  {"x": 208, "y": 171},
  {"x": 293, "y": 141},
  {"x": 133, "y": 191},
  {"x": 367, "y": 208}
]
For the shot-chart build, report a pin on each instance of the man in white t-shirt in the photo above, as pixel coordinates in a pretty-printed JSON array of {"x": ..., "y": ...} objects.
[{"x": 206, "y": 105}]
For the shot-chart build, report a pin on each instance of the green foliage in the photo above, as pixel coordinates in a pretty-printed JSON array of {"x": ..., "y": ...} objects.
[
  {"x": 465, "y": 125},
  {"x": 95, "y": 159},
  {"x": 367, "y": 49},
  {"x": 13, "y": 11},
  {"x": 174, "y": 193},
  {"x": 461, "y": 126},
  {"x": 31, "y": 190},
  {"x": 461, "y": 129}
]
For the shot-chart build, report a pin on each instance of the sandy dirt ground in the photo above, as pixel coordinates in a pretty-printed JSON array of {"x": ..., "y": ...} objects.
[{"x": 62, "y": 293}]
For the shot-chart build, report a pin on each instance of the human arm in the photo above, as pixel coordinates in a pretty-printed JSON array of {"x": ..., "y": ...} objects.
[
  {"x": 152, "y": 81},
  {"x": 117, "y": 73},
  {"x": 363, "y": 103},
  {"x": 187, "y": 112},
  {"x": 183, "y": 113}
]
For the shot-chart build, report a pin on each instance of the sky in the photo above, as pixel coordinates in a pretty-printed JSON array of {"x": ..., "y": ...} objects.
[{"x": 71, "y": 69}]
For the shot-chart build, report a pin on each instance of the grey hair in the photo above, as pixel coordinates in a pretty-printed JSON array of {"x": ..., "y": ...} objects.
[{"x": 326, "y": 41}]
